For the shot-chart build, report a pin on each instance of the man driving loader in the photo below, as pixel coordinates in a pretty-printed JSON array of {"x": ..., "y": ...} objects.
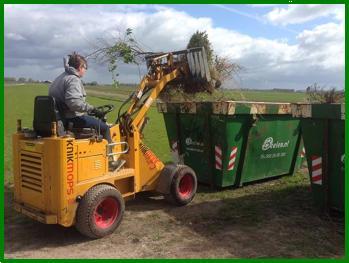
[
  {"x": 69, "y": 180},
  {"x": 70, "y": 95}
]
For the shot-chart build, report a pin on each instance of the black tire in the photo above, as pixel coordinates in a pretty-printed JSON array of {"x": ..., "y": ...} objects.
[
  {"x": 100, "y": 211},
  {"x": 183, "y": 186}
]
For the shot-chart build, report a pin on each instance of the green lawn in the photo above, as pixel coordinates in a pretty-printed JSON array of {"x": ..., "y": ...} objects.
[{"x": 236, "y": 94}]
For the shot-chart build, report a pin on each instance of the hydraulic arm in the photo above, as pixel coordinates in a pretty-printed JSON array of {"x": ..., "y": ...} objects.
[{"x": 163, "y": 68}]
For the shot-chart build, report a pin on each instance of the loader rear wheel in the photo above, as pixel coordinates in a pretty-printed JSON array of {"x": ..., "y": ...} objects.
[
  {"x": 100, "y": 211},
  {"x": 183, "y": 186}
]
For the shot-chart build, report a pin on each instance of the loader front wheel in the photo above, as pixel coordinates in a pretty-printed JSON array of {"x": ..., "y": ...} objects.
[
  {"x": 183, "y": 186},
  {"x": 100, "y": 211}
]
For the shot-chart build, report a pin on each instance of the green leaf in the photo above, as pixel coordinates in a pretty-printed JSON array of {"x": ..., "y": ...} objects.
[{"x": 128, "y": 31}]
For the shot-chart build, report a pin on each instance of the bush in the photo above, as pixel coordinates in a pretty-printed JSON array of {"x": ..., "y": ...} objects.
[{"x": 317, "y": 94}]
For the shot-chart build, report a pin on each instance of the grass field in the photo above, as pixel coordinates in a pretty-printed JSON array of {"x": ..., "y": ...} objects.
[
  {"x": 19, "y": 104},
  {"x": 271, "y": 96}
]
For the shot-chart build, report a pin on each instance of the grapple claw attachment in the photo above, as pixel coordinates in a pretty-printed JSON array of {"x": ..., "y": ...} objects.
[{"x": 196, "y": 59}]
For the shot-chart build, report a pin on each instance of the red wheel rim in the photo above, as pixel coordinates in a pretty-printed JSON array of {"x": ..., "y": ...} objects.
[
  {"x": 106, "y": 212},
  {"x": 186, "y": 185}
]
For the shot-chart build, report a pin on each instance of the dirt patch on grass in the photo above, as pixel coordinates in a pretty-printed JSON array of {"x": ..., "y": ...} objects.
[{"x": 271, "y": 219}]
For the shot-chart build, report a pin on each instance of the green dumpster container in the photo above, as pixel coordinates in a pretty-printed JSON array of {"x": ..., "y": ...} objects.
[
  {"x": 230, "y": 143},
  {"x": 323, "y": 134}
]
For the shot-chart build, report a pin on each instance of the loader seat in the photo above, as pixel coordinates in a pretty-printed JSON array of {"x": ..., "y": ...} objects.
[{"x": 46, "y": 112}]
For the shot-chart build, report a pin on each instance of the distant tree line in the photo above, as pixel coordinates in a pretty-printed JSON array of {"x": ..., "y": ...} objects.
[
  {"x": 25, "y": 80},
  {"x": 30, "y": 80}
]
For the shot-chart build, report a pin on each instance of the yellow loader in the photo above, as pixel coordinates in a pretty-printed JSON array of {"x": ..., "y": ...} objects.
[{"x": 75, "y": 177}]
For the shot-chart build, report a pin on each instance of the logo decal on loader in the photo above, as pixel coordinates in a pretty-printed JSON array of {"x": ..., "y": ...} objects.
[{"x": 70, "y": 168}]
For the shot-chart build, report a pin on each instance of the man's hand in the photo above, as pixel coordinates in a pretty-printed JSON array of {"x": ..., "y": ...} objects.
[{"x": 97, "y": 113}]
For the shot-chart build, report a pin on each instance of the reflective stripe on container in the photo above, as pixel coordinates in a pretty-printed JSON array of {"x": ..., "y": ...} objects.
[
  {"x": 218, "y": 157},
  {"x": 232, "y": 158},
  {"x": 316, "y": 172}
]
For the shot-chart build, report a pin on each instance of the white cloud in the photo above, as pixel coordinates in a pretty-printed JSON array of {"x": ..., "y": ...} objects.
[
  {"x": 317, "y": 56},
  {"x": 51, "y": 32},
  {"x": 323, "y": 45},
  {"x": 15, "y": 36},
  {"x": 297, "y": 14}
]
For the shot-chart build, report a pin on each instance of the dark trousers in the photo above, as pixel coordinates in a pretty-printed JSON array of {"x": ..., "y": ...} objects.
[{"x": 86, "y": 121}]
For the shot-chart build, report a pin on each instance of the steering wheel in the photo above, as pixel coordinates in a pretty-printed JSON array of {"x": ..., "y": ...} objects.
[{"x": 106, "y": 108}]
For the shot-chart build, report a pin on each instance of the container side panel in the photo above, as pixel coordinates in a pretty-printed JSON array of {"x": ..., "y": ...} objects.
[
  {"x": 313, "y": 131},
  {"x": 336, "y": 165},
  {"x": 228, "y": 135},
  {"x": 195, "y": 144},
  {"x": 218, "y": 150},
  {"x": 271, "y": 147}
]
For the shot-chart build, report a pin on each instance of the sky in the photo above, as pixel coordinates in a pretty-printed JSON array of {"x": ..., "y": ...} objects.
[{"x": 278, "y": 46}]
